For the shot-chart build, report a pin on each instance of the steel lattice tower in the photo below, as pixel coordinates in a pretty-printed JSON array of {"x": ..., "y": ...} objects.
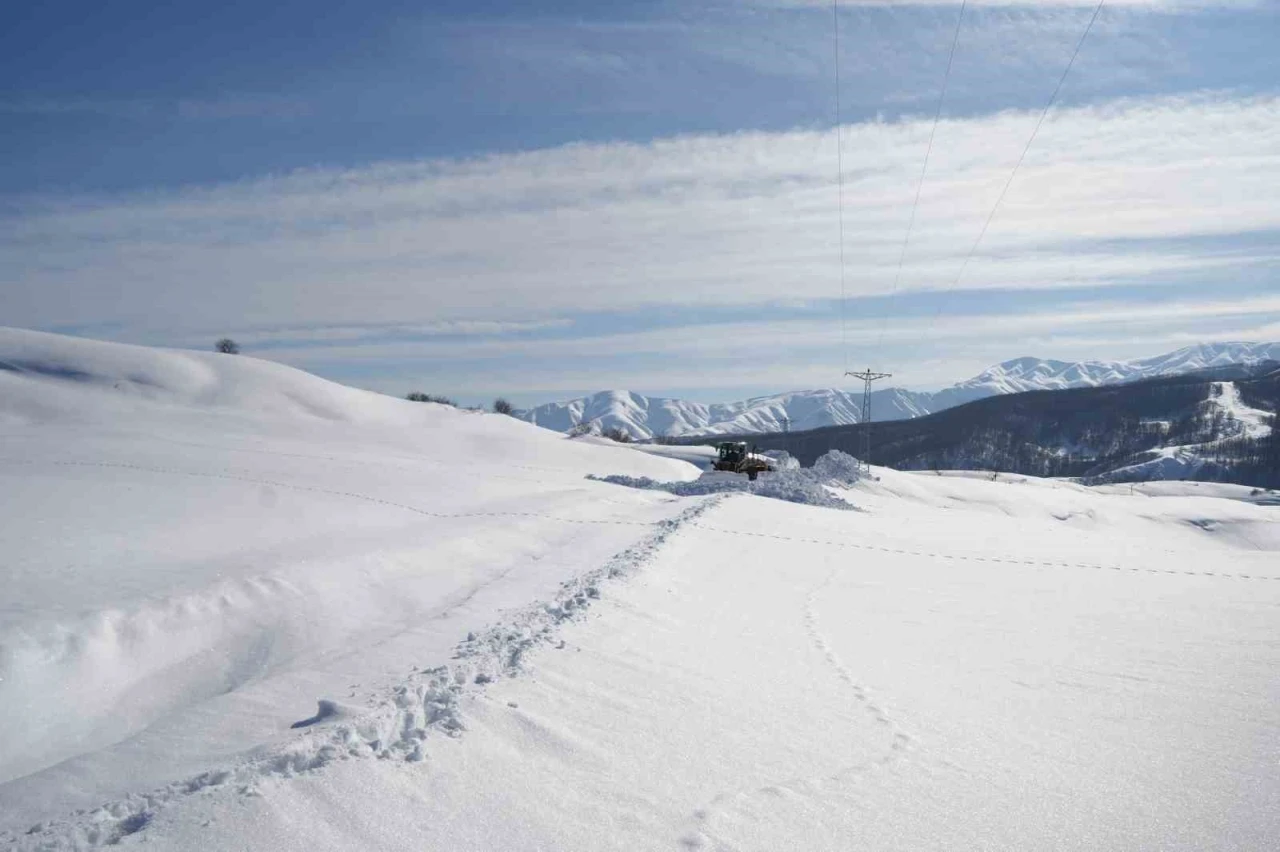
[{"x": 867, "y": 378}]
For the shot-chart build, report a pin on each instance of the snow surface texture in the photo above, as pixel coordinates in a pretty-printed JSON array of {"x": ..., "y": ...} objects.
[
  {"x": 811, "y": 486},
  {"x": 552, "y": 663},
  {"x": 647, "y": 417}
]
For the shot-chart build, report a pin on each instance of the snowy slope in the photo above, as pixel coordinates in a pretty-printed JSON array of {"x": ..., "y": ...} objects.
[
  {"x": 646, "y": 417},
  {"x": 195, "y": 546},
  {"x": 511, "y": 656}
]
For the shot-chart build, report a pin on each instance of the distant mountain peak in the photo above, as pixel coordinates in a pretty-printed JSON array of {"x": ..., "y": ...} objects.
[{"x": 648, "y": 417}]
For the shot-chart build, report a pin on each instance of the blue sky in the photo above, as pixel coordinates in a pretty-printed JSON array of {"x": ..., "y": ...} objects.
[{"x": 542, "y": 199}]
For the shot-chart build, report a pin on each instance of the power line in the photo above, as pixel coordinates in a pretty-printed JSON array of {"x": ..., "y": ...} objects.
[
  {"x": 1032, "y": 138},
  {"x": 924, "y": 169},
  {"x": 844, "y": 332},
  {"x": 868, "y": 377}
]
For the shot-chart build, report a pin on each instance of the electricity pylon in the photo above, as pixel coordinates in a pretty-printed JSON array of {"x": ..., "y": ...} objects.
[{"x": 867, "y": 378}]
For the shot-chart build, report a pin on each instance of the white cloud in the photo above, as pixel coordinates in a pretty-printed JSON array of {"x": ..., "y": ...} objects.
[
  {"x": 749, "y": 374},
  {"x": 739, "y": 219},
  {"x": 748, "y": 339},
  {"x": 795, "y": 353}
]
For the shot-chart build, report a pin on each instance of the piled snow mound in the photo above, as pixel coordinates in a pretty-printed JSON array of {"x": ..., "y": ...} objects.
[
  {"x": 837, "y": 468},
  {"x": 808, "y": 486},
  {"x": 798, "y": 486}
]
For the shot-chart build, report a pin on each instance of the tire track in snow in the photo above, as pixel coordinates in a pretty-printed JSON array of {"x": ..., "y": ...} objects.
[{"x": 427, "y": 703}]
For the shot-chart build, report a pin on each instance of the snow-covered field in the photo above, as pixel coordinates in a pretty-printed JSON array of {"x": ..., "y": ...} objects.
[{"x": 196, "y": 548}]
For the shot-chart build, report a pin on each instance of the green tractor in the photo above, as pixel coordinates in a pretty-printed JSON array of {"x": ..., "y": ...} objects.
[{"x": 733, "y": 457}]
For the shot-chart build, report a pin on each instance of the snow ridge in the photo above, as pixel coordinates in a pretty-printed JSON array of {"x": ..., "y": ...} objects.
[{"x": 428, "y": 702}]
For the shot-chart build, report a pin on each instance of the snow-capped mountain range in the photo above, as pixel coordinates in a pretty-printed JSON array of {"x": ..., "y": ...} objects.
[{"x": 645, "y": 417}]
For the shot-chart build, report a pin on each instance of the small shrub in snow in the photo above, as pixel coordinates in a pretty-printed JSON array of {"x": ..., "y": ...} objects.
[
  {"x": 502, "y": 406},
  {"x": 620, "y": 435},
  {"x": 227, "y": 346},
  {"x": 426, "y": 397}
]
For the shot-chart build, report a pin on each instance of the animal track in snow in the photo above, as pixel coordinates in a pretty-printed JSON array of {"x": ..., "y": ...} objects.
[{"x": 859, "y": 690}]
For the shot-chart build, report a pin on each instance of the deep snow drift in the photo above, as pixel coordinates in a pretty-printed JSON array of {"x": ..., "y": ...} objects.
[{"x": 511, "y": 656}]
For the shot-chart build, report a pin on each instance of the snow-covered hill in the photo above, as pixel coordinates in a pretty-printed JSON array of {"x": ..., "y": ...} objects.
[
  {"x": 646, "y": 417},
  {"x": 193, "y": 547},
  {"x": 245, "y": 608}
]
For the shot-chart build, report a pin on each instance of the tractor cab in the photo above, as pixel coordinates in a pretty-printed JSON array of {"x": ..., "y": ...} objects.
[
  {"x": 735, "y": 458},
  {"x": 732, "y": 452}
]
